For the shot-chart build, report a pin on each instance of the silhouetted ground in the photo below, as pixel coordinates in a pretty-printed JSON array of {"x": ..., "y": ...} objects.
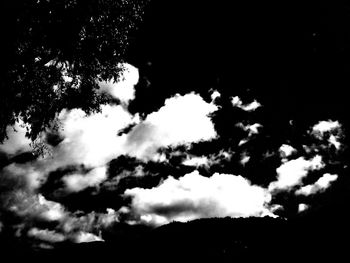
[{"x": 208, "y": 240}]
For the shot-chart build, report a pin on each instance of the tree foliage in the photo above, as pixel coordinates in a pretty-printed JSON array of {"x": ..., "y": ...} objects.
[{"x": 53, "y": 53}]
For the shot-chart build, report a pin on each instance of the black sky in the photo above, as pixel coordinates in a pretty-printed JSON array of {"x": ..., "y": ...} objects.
[{"x": 293, "y": 54}]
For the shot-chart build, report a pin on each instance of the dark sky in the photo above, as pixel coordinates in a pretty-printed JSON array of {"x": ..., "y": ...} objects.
[{"x": 293, "y": 54}]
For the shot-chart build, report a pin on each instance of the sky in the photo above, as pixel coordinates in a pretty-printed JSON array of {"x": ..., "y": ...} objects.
[{"x": 234, "y": 131}]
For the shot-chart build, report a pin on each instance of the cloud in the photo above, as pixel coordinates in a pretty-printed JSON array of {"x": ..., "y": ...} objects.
[
  {"x": 124, "y": 88},
  {"x": 196, "y": 161},
  {"x": 51, "y": 236},
  {"x": 52, "y": 211},
  {"x": 84, "y": 237},
  {"x": 209, "y": 160},
  {"x": 328, "y": 130},
  {"x": 291, "y": 173},
  {"x": 303, "y": 207},
  {"x": 286, "y": 151},
  {"x": 252, "y": 129},
  {"x": 237, "y": 102},
  {"x": 244, "y": 158},
  {"x": 92, "y": 140},
  {"x": 35, "y": 207},
  {"x": 46, "y": 235},
  {"x": 26, "y": 176},
  {"x": 214, "y": 95},
  {"x": 182, "y": 120},
  {"x": 78, "y": 182},
  {"x": 88, "y": 222},
  {"x": 195, "y": 196},
  {"x": 323, "y": 127},
  {"x": 16, "y": 142},
  {"x": 319, "y": 186}
]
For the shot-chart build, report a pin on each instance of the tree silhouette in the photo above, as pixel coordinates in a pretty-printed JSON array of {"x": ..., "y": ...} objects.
[{"x": 55, "y": 51}]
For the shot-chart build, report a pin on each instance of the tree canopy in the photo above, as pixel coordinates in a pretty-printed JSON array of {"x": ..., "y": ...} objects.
[{"x": 54, "y": 53}]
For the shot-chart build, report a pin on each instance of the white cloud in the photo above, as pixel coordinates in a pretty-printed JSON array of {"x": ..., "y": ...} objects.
[
  {"x": 78, "y": 182},
  {"x": 291, "y": 173},
  {"x": 286, "y": 151},
  {"x": 302, "y": 207},
  {"x": 196, "y": 161},
  {"x": 319, "y": 186},
  {"x": 124, "y": 88},
  {"x": 250, "y": 128},
  {"x": 52, "y": 211},
  {"x": 251, "y": 106},
  {"x": 27, "y": 175},
  {"x": 90, "y": 222},
  {"x": 88, "y": 140},
  {"x": 92, "y": 140},
  {"x": 35, "y": 206},
  {"x": 329, "y": 130},
  {"x": 334, "y": 140},
  {"x": 195, "y": 196},
  {"x": 17, "y": 141},
  {"x": 84, "y": 237},
  {"x": 182, "y": 120},
  {"x": 237, "y": 102},
  {"x": 244, "y": 158},
  {"x": 46, "y": 235},
  {"x": 214, "y": 95},
  {"x": 325, "y": 126}
]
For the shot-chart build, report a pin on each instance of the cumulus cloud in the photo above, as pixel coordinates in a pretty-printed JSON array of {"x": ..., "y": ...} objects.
[
  {"x": 35, "y": 206},
  {"x": 319, "y": 186},
  {"x": 303, "y": 207},
  {"x": 209, "y": 160},
  {"x": 78, "y": 182},
  {"x": 291, "y": 173},
  {"x": 237, "y": 102},
  {"x": 195, "y": 196},
  {"x": 124, "y": 88},
  {"x": 51, "y": 236},
  {"x": 92, "y": 140},
  {"x": 84, "y": 237},
  {"x": 325, "y": 126},
  {"x": 27, "y": 176},
  {"x": 16, "y": 142},
  {"x": 250, "y": 128},
  {"x": 182, "y": 120},
  {"x": 46, "y": 235},
  {"x": 214, "y": 95},
  {"x": 196, "y": 161},
  {"x": 244, "y": 158},
  {"x": 286, "y": 151},
  {"x": 328, "y": 130}
]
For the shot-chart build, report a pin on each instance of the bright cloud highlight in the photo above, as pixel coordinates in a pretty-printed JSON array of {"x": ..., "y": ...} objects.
[{"x": 195, "y": 196}]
